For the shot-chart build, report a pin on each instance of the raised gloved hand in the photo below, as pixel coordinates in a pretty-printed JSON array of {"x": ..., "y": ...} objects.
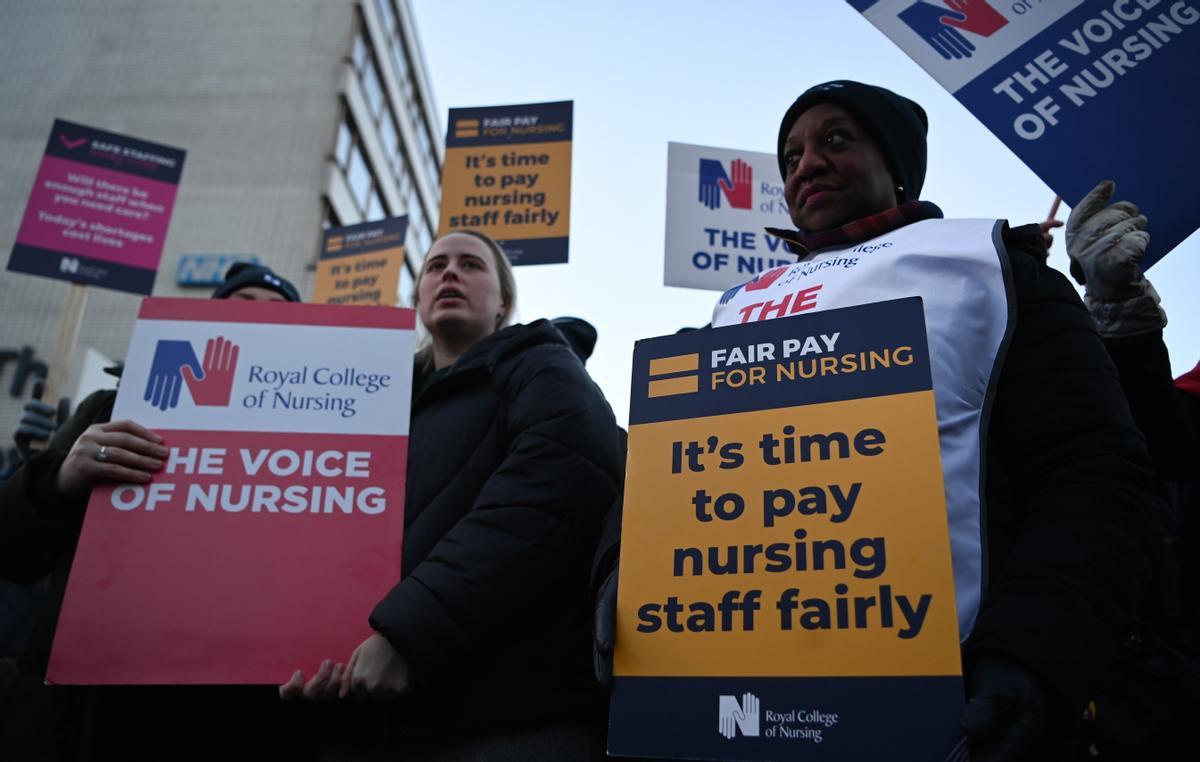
[
  {"x": 1105, "y": 243},
  {"x": 37, "y": 423},
  {"x": 1006, "y": 715},
  {"x": 604, "y": 628}
]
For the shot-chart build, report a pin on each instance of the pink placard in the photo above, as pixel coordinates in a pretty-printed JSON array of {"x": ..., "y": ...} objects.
[{"x": 98, "y": 213}]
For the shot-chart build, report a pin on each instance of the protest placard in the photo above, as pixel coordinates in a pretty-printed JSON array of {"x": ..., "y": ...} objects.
[
  {"x": 718, "y": 202},
  {"x": 507, "y": 173},
  {"x": 1080, "y": 90},
  {"x": 786, "y": 589},
  {"x": 361, "y": 264},
  {"x": 99, "y": 209},
  {"x": 274, "y": 525}
]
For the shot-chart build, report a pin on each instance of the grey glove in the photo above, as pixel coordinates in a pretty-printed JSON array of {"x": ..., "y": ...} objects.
[
  {"x": 1006, "y": 715},
  {"x": 1105, "y": 243},
  {"x": 38, "y": 423}
]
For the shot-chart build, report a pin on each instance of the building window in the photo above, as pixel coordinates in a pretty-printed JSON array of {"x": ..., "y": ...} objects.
[
  {"x": 391, "y": 139},
  {"x": 400, "y": 62},
  {"x": 416, "y": 216},
  {"x": 404, "y": 176},
  {"x": 372, "y": 89},
  {"x": 360, "y": 52},
  {"x": 375, "y": 210},
  {"x": 345, "y": 143},
  {"x": 331, "y": 219},
  {"x": 358, "y": 175},
  {"x": 426, "y": 145},
  {"x": 387, "y": 15},
  {"x": 407, "y": 283},
  {"x": 364, "y": 177}
]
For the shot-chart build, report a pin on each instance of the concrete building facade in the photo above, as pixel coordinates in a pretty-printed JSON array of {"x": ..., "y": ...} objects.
[{"x": 295, "y": 115}]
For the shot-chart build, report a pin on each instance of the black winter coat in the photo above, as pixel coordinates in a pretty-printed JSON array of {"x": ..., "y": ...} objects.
[
  {"x": 1068, "y": 539},
  {"x": 39, "y": 528},
  {"x": 514, "y": 457}
]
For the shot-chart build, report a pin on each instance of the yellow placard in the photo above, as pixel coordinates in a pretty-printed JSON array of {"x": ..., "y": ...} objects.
[
  {"x": 520, "y": 191},
  {"x": 371, "y": 278},
  {"x": 788, "y": 564}
]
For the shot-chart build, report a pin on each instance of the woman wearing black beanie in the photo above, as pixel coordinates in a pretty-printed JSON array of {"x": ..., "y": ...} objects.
[{"x": 1046, "y": 476}]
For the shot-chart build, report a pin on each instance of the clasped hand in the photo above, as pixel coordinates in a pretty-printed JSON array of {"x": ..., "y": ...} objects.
[{"x": 375, "y": 670}]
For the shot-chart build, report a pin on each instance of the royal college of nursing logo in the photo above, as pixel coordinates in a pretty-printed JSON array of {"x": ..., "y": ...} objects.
[
  {"x": 733, "y": 717},
  {"x": 942, "y": 26},
  {"x": 175, "y": 363},
  {"x": 714, "y": 182},
  {"x": 757, "y": 283}
]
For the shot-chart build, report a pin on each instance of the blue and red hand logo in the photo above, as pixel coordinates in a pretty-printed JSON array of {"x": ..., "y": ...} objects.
[
  {"x": 714, "y": 182},
  {"x": 939, "y": 26},
  {"x": 757, "y": 283},
  {"x": 175, "y": 363}
]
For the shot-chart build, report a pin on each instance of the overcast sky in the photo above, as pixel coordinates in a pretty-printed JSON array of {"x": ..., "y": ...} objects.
[{"x": 709, "y": 73}]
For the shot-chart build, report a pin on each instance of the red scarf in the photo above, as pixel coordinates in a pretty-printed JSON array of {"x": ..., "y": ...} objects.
[
  {"x": 804, "y": 243},
  {"x": 1189, "y": 383}
]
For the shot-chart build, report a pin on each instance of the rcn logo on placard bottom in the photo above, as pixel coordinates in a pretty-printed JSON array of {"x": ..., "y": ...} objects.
[
  {"x": 942, "y": 27},
  {"x": 732, "y": 717},
  {"x": 175, "y": 364},
  {"x": 713, "y": 182}
]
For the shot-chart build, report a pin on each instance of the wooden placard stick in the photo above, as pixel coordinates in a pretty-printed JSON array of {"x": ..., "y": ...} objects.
[{"x": 64, "y": 348}]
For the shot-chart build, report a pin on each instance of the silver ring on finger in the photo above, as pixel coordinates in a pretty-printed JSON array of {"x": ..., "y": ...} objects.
[{"x": 102, "y": 454}]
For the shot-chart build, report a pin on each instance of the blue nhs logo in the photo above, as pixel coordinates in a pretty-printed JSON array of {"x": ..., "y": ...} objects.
[{"x": 207, "y": 269}]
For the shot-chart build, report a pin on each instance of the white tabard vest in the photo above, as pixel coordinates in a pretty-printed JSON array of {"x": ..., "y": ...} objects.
[{"x": 960, "y": 270}]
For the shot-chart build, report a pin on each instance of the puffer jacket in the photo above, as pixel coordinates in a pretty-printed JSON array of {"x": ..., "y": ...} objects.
[{"x": 514, "y": 458}]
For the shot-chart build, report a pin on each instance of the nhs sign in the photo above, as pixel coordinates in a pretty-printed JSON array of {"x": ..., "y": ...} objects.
[{"x": 207, "y": 269}]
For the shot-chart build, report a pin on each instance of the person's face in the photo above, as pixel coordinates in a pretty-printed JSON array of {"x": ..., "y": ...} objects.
[
  {"x": 256, "y": 294},
  {"x": 835, "y": 172},
  {"x": 459, "y": 291}
]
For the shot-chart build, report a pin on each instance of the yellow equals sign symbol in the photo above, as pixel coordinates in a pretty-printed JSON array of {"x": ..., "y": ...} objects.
[
  {"x": 677, "y": 384},
  {"x": 466, "y": 128}
]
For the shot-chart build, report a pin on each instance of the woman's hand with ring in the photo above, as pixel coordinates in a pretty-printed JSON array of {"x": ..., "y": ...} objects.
[{"x": 118, "y": 451}]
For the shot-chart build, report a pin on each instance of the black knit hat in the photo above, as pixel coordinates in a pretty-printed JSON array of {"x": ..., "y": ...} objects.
[
  {"x": 897, "y": 125},
  {"x": 245, "y": 274}
]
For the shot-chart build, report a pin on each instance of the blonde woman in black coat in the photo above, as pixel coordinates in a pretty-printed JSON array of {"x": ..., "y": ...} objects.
[{"x": 483, "y": 646}]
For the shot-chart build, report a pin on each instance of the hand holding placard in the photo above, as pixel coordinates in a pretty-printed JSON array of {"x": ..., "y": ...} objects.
[
  {"x": 132, "y": 453},
  {"x": 375, "y": 670}
]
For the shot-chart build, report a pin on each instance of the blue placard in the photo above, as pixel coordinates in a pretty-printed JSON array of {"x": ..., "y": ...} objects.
[{"x": 1080, "y": 90}]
